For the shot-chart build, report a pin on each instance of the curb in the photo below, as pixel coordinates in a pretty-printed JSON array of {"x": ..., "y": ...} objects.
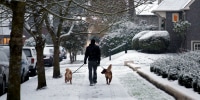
[{"x": 168, "y": 89}]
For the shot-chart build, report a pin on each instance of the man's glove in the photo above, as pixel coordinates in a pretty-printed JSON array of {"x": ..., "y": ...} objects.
[{"x": 85, "y": 62}]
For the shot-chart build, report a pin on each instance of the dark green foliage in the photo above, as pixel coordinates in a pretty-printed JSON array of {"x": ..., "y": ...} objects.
[
  {"x": 158, "y": 45},
  {"x": 119, "y": 34},
  {"x": 194, "y": 85},
  {"x": 183, "y": 67},
  {"x": 151, "y": 41},
  {"x": 74, "y": 43},
  {"x": 114, "y": 42}
]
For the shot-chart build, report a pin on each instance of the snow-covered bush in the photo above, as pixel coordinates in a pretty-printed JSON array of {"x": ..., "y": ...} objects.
[
  {"x": 119, "y": 34},
  {"x": 167, "y": 68},
  {"x": 181, "y": 26},
  {"x": 109, "y": 42},
  {"x": 30, "y": 42},
  {"x": 175, "y": 68},
  {"x": 198, "y": 86},
  {"x": 188, "y": 73},
  {"x": 135, "y": 39},
  {"x": 151, "y": 41},
  {"x": 183, "y": 67},
  {"x": 194, "y": 55}
]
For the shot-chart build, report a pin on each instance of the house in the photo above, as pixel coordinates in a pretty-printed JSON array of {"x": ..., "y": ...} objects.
[
  {"x": 4, "y": 32},
  {"x": 172, "y": 11},
  {"x": 144, "y": 14},
  {"x": 5, "y": 35}
]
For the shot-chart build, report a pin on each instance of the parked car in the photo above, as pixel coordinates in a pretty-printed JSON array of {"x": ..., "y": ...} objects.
[
  {"x": 32, "y": 59},
  {"x": 4, "y": 71},
  {"x": 61, "y": 53},
  {"x": 24, "y": 68},
  {"x": 48, "y": 56},
  {"x": 24, "y": 63}
]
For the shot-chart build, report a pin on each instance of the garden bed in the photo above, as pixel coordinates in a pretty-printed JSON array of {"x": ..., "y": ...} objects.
[{"x": 183, "y": 67}]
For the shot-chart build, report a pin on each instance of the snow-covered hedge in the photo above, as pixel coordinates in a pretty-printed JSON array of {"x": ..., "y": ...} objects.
[
  {"x": 151, "y": 41},
  {"x": 120, "y": 34},
  {"x": 184, "y": 68},
  {"x": 29, "y": 42}
]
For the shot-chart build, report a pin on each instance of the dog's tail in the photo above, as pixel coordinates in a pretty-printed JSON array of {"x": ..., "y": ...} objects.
[{"x": 109, "y": 67}]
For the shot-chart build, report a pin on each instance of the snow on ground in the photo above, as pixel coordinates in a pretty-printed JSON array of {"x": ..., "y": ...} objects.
[{"x": 126, "y": 84}]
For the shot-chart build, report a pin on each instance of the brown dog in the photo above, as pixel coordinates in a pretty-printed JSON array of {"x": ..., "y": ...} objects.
[
  {"x": 108, "y": 74},
  {"x": 68, "y": 76}
]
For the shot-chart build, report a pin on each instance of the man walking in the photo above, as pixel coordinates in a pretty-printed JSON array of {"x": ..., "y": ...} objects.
[{"x": 93, "y": 54}]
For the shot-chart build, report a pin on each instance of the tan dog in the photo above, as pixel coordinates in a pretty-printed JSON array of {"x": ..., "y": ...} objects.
[
  {"x": 108, "y": 74},
  {"x": 68, "y": 76}
]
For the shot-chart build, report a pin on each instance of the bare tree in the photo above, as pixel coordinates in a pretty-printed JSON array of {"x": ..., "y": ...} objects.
[
  {"x": 62, "y": 13},
  {"x": 35, "y": 26},
  {"x": 18, "y": 11},
  {"x": 55, "y": 35},
  {"x": 101, "y": 14}
]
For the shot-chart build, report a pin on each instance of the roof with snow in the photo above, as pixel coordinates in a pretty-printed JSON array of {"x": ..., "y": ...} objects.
[
  {"x": 173, "y": 5},
  {"x": 146, "y": 9}
]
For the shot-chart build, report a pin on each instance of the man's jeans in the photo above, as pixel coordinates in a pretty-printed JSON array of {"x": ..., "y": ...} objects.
[{"x": 92, "y": 66}]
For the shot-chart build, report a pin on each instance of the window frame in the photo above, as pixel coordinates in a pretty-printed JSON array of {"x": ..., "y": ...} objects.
[{"x": 195, "y": 45}]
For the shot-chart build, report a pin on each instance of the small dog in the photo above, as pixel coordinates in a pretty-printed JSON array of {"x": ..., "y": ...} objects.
[
  {"x": 68, "y": 76},
  {"x": 108, "y": 74}
]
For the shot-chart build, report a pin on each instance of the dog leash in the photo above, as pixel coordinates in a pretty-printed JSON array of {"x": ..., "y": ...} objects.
[{"x": 78, "y": 69}]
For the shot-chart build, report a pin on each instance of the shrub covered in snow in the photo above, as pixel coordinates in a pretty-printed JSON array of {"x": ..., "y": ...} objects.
[
  {"x": 119, "y": 34},
  {"x": 135, "y": 39},
  {"x": 184, "y": 68},
  {"x": 181, "y": 26},
  {"x": 29, "y": 42},
  {"x": 151, "y": 41}
]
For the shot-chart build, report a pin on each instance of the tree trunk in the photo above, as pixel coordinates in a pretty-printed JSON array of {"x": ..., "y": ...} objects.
[
  {"x": 70, "y": 56},
  {"x": 131, "y": 12},
  {"x": 74, "y": 56},
  {"x": 183, "y": 39},
  {"x": 56, "y": 66},
  {"x": 40, "y": 63},
  {"x": 16, "y": 43}
]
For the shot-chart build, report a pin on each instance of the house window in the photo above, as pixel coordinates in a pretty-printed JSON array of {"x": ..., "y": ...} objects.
[
  {"x": 195, "y": 45},
  {"x": 4, "y": 41},
  {"x": 175, "y": 17}
]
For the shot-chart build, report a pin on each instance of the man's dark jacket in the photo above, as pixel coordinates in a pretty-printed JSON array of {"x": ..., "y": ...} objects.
[{"x": 93, "y": 53}]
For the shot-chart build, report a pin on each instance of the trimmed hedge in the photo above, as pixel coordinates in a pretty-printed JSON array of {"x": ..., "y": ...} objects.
[
  {"x": 151, "y": 41},
  {"x": 183, "y": 67}
]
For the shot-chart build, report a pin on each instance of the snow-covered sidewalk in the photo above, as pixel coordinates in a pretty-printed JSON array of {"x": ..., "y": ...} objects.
[{"x": 126, "y": 84}]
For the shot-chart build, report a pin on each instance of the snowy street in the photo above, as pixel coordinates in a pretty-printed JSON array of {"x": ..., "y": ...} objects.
[{"x": 126, "y": 83}]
